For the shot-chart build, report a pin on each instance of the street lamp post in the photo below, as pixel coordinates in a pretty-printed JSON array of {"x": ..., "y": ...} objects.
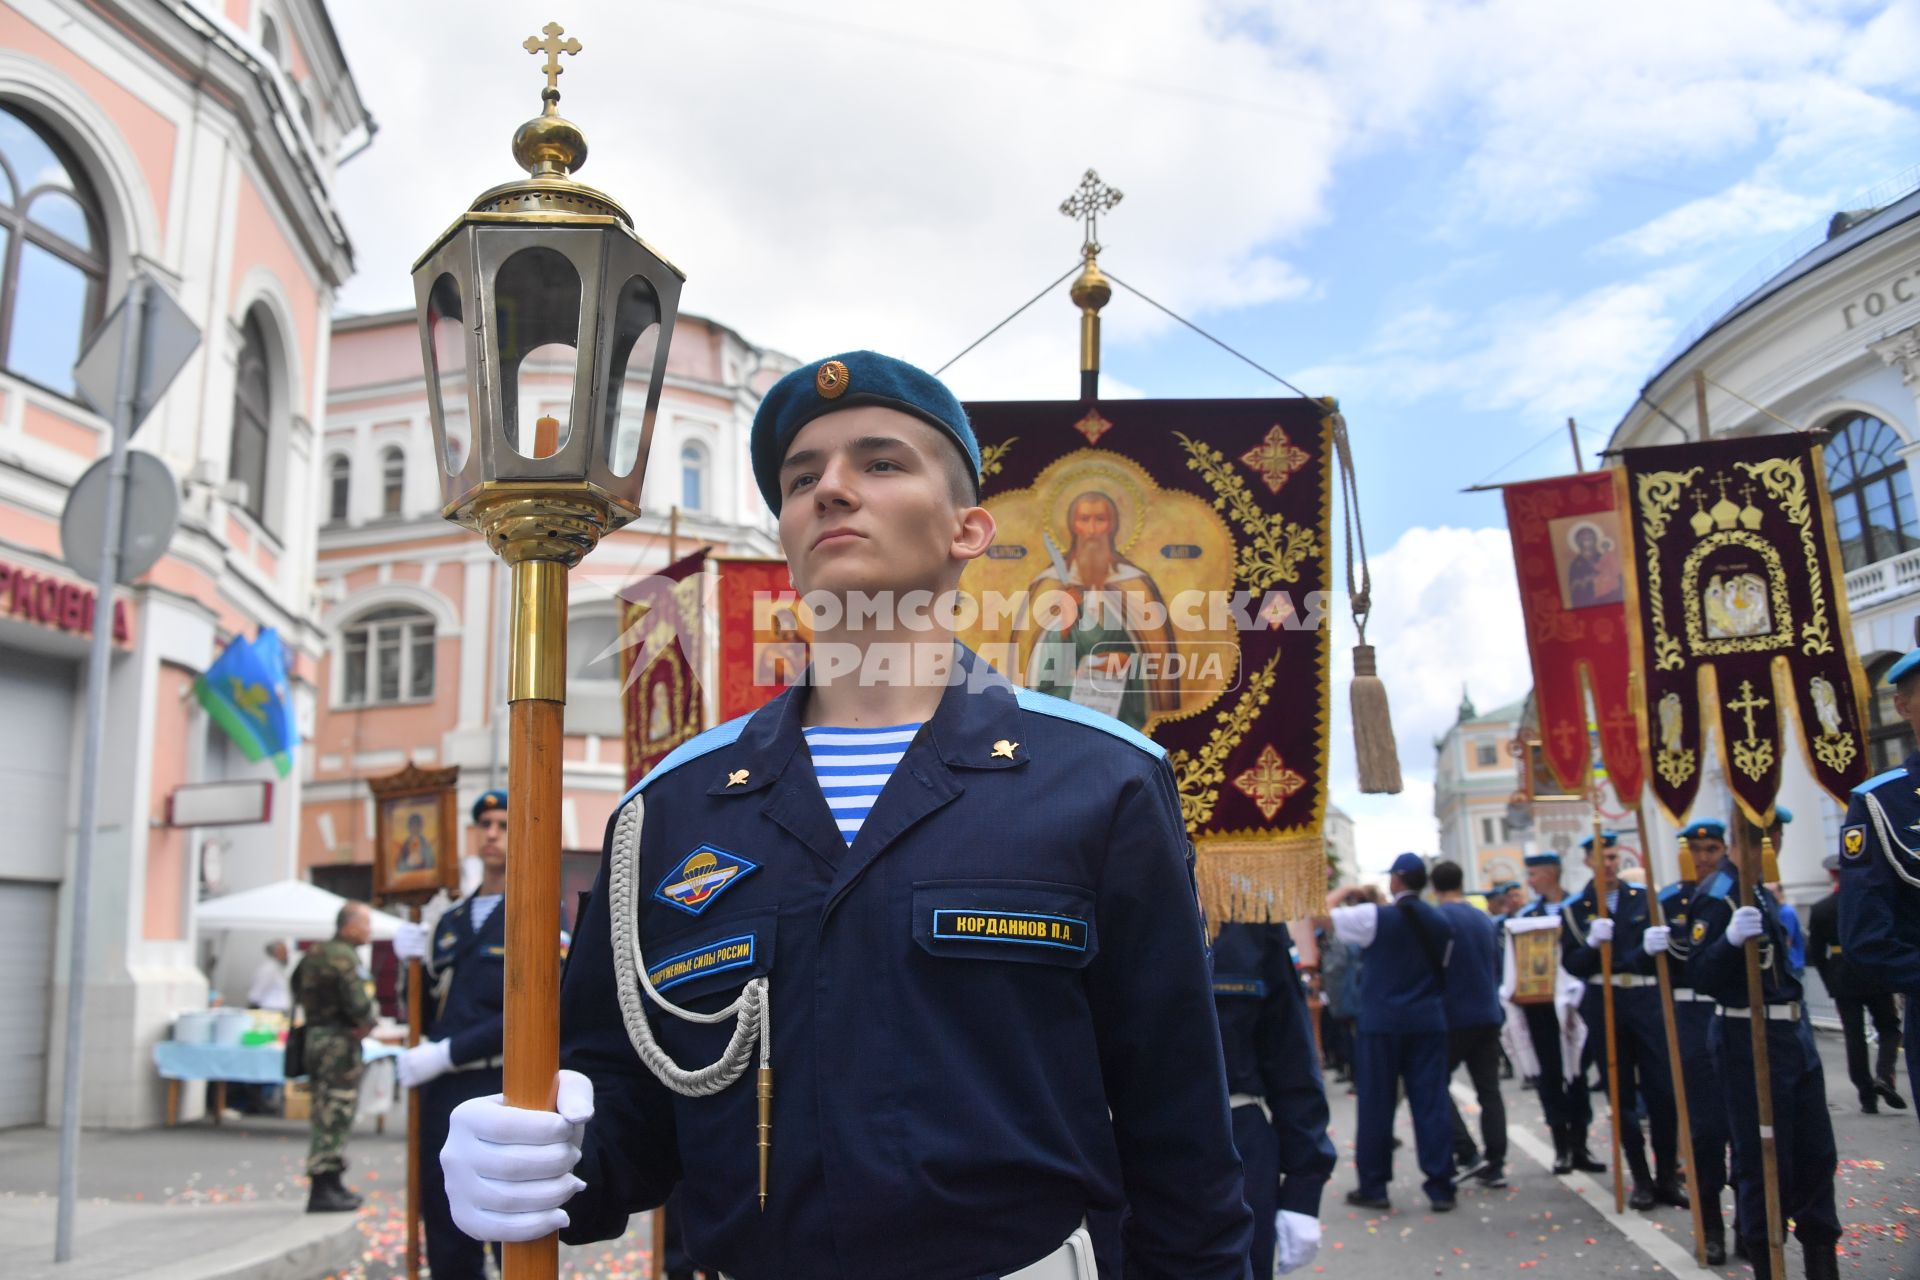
[{"x": 538, "y": 277}]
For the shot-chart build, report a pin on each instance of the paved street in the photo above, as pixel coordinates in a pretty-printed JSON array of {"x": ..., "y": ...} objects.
[{"x": 1561, "y": 1227}]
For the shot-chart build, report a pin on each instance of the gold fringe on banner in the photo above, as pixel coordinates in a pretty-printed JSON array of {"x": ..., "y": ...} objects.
[{"x": 1262, "y": 877}]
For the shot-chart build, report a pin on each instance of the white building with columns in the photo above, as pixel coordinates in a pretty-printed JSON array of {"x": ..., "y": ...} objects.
[{"x": 1827, "y": 342}]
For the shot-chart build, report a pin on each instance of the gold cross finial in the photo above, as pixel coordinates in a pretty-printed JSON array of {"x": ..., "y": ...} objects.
[
  {"x": 1088, "y": 201},
  {"x": 553, "y": 46},
  {"x": 1748, "y": 703}
]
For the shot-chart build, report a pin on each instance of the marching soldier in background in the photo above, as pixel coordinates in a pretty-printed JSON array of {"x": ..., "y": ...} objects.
[
  {"x": 1403, "y": 1032},
  {"x": 1880, "y": 872},
  {"x": 339, "y": 1013},
  {"x": 1568, "y": 1108},
  {"x": 1803, "y": 1131},
  {"x": 1693, "y": 1020},
  {"x": 1856, "y": 999},
  {"x": 459, "y": 1055},
  {"x": 1639, "y": 1031},
  {"x": 1279, "y": 1103},
  {"x": 1504, "y": 899}
]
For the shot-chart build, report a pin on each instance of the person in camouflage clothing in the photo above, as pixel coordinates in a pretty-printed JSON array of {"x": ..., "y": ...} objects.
[{"x": 339, "y": 1014}]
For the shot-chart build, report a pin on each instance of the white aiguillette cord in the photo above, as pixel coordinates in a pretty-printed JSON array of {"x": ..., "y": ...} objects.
[{"x": 752, "y": 1007}]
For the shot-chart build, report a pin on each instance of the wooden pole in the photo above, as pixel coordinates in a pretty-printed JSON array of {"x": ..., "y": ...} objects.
[
  {"x": 415, "y": 974},
  {"x": 1674, "y": 1059},
  {"x": 531, "y": 1017},
  {"x": 673, "y": 533},
  {"x": 1573, "y": 434},
  {"x": 657, "y": 1268},
  {"x": 1600, "y": 886},
  {"x": 1747, "y": 855},
  {"x": 1700, "y": 404}
]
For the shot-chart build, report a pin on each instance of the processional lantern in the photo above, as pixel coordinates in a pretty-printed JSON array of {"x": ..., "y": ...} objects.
[{"x": 537, "y": 308}]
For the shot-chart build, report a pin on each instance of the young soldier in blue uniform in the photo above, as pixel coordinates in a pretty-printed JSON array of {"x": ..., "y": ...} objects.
[
  {"x": 969, "y": 907},
  {"x": 458, "y": 1056},
  {"x": 1693, "y": 1020},
  {"x": 1880, "y": 873},
  {"x": 1568, "y": 1108},
  {"x": 1640, "y": 1037},
  {"x": 1473, "y": 1026},
  {"x": 1803, "y": 1131},
  {"x": 1279, "y": 1103},
  {"x": 1403, "y": 1034}
]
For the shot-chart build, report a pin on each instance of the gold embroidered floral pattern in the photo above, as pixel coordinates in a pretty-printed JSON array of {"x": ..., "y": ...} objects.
[
  {"x": 1276, "y": 549},
  {"x": 1269, "y": 782},
  {"x": 1786, "y": 484},
  {"x": 1276, "y": 458},
  {"x": 1197, "y": 775},
  {"x": 994, "y": 456},
  {"x": 1658, "y": 499}
]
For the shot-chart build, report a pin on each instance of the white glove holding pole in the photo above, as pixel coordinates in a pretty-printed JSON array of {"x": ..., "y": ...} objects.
[
  {"x": 1654, "y": 941},
  {"x": 1600, "y": 931},
  {"x": 410, "y": 941},
  {"x": 1745, "y": 926},
  {"x": 508, "y": 1170},
  {"x": 428, "y": 1060},
  {"x": 1297, "y": 1241}
]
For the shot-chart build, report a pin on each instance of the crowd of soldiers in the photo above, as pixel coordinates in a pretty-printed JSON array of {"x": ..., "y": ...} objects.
[{"x": 1009, "y": 1044}]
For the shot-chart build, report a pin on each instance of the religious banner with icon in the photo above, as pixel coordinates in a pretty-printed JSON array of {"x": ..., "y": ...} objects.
[
  {"x": 1735, "y": 598},
  {"x": 763, "y": 633},
  {"x": 1568, "y": 555},
  {"x": 416, "y": 840},
  {"x": 1167, "y": 562},
  {"x": 660, "y": 643}
]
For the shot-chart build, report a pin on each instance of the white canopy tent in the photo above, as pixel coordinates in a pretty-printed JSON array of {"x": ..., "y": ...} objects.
[{"x": 289, "y": 908}]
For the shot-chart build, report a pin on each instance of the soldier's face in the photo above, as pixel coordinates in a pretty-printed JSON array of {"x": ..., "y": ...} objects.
[
  {"x": 867, "y": 505},
  {"x": 358, "y": 929},
  {"x": 493, "y": 837},
  {"x": 1542, "y": 879},
  {"x": 1906, "y": 702},
  {"x": 1707, "y": 852}
]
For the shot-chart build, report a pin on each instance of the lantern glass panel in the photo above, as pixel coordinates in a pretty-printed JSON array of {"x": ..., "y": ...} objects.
[
  {"x": 636, "y": 337},
  {"x": 449, "y": 372},
  {"x": 537, "y": 318}
]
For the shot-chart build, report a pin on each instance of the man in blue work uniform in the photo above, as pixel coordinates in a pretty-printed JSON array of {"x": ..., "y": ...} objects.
[
  {"x": 1723, "y": 925},
  {"x": 459, "y": 1054},
  {"x": 1880, "y": 873},
  {"x": 1693, "y": 1020},
  {"x": 1568, "y": 1108},
  {"x": 1473, "y": 1026},
  {"x": 969, "y": 909},
  {"x": 1279, "y": 1103},
  {"x": 1640, "y": 1037},
  {"x": 1403, "y": 1033}
]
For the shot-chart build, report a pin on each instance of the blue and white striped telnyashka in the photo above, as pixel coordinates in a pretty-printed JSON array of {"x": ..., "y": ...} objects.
[{"x": 853, "y": 765}]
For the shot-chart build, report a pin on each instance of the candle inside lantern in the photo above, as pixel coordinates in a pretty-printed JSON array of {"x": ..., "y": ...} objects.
[{"x": 546, "y": 437}]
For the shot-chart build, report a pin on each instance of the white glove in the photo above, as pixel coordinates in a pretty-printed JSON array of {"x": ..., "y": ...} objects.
[
  {"x": 410, "y": 941},
  {"x": 1600, "y": 931},
  {"x": 428, "y": 1060},
  {"x": 509, "y": 1170},
  {"x": 1655, "y": 939},
  {"x": 1746, "y": 924},
  {"x": 1298, "y": 1239}
]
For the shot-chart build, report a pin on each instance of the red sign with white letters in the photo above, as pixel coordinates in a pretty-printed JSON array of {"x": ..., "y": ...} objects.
[{"x": 54, "y": 602}]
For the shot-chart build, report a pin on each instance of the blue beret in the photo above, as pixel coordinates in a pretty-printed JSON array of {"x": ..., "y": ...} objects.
[
  {"x": 1906, "y": 666},
  {"x": 846, "y": 381},
  {"x": 488, "y": 802},
  {"x": 1609, "y": 838},
  {"x": 1548, "y": 859},
  {"x": 1706, "y": 829},
  {"x": 1408, "y": 862},
  {"x": 1782, "y": 815},
  {"x": 1505, "y": 886}
]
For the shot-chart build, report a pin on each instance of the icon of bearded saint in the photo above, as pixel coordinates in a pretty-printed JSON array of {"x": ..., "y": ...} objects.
[{"x": 1089, "y": 619}]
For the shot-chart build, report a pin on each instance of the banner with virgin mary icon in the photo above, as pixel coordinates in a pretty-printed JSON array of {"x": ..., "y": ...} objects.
[
  {"x": 1738, "y": 606},
  {"x": 1167, "y": 562}
]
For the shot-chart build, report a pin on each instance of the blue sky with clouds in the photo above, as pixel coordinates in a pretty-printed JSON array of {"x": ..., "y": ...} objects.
[{"x": 1468, "y": 221}]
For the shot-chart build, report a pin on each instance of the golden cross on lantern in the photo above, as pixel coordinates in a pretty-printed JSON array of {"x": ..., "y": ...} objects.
[
  {"x": 1088, "y": 201},
  {"x": 1747, "y": 704},
  {"x": 553, "y": 46}
]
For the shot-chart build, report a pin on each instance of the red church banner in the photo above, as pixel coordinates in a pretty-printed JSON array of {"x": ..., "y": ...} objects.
[
  {"x": 660, "y": 642},
  {"x": 1739, "y": 610},
  {"x": 763, "y": 635},
  {"x": 1569, "y": 557}
]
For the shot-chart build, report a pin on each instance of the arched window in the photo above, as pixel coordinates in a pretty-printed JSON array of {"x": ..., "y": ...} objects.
[
  {"x": 1889, "y": 740},
  {"x": 393, "y": 481},
  {"x": 1872, "y": 493},
  {"x": 593, "y": 674},
  {"x": 693, "y": 477},
  {"x": 53, "y": 255},
  {"x": 252, "y": 409},
  {"x": 339, "y": 486},
  {"x": 386, "y": 656},
  {"x": 270, "y": 40}
]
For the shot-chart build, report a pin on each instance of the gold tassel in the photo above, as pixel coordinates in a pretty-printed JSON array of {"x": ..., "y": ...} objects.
[
  {"x": 1374, "y": 749},
  {"x": 1687, "y": 871},
  {"x": 1769, "y": 862}
]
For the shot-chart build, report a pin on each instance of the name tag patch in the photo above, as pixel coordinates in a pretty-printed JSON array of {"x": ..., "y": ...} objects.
[
  {"x": 1223, "y": 986},
  {"x": 1017, "y": 928},
  {"x": 717, "y": 957},
  {"x": 702, "y": 876},
  {"x": 1853, "y": 843}
]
